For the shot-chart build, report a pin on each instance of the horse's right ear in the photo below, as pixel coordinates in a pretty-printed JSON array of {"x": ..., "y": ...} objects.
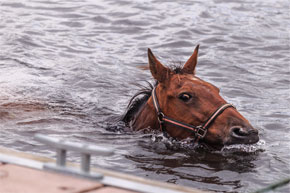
[{"x": 158, "y": 71}]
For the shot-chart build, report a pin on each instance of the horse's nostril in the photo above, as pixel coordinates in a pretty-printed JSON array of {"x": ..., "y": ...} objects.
[
  {"x": 253, "y": 132},
  {"x": 238, "y": 132},
  {"x": 243, "y": 135}
]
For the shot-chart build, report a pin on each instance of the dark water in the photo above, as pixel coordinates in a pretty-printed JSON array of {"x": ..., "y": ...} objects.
[{"x": 67, "y": 68}]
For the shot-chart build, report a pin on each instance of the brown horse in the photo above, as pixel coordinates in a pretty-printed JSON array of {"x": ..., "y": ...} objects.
[{"x": 183, "y": 105}]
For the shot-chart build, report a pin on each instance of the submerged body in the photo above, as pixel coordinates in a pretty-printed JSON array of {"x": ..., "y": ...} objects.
[{"x": 191, "y": 103}]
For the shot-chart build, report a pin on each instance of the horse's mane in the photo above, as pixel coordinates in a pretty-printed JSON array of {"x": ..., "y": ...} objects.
[
  {"x": 137, "y": 101},
  {"x": 142, "y": 96}
]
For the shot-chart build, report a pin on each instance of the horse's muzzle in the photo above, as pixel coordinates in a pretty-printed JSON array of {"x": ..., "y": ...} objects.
[{"x": 242, "y": 135}]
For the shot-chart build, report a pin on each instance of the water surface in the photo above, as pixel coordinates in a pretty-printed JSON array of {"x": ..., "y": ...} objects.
[{"x": 68, "y": 68}]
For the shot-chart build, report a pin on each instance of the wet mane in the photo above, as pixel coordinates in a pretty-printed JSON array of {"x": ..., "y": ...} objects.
[
  {"x": 142, "y": 96},
  {"x": 137, "y": 101}
]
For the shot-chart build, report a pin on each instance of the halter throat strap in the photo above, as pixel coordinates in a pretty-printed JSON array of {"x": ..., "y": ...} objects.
[{"x": 199, "y": 131}]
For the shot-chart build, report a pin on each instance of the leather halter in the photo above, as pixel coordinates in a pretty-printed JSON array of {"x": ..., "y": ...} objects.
[{"x": 199, "y": 131}]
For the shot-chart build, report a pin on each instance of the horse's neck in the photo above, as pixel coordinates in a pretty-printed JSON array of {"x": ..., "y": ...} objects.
[{"x": 146, "y": 118}]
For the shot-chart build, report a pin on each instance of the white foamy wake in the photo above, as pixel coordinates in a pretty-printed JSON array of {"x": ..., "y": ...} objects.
[
  {"x": 249, "y": 148},
  {"x": 188, "y": 144}
]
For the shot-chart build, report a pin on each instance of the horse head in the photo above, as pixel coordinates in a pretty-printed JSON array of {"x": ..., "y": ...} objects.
[{"x": 184, "y": 100}]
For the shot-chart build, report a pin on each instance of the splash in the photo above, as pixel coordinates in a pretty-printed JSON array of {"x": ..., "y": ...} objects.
[
  {"x": 252, "y": 148},
  {"x": 173, "y": 144},
  {"x": 188, "y": 144}
]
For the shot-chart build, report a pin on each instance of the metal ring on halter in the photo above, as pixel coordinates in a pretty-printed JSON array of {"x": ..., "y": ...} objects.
[
  {"x": 201, "y": 132},
  {"x": 160, "y": 116}
]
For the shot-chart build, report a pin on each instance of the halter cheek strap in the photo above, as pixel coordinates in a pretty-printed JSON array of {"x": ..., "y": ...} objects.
[{"x": 199, "y": 131}]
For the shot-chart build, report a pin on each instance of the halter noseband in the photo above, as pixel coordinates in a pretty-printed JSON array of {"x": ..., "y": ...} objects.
[{"x": 199, "y": 131}]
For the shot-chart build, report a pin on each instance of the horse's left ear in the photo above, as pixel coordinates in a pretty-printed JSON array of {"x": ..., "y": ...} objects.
[{"x": 189, "y": 66}]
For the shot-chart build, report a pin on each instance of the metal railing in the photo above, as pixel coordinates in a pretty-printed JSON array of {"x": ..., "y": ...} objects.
[{"x": 85, "y": 150}]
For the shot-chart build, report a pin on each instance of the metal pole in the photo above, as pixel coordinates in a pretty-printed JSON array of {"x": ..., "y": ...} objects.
[
  {"x": 85, "y": 163},
  {"x": 60, "y": 157}
]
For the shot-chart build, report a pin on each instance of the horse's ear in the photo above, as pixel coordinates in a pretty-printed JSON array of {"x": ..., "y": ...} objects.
[
  {"x": 158, "y": 70},
  {"x": 189, "y": 66}
]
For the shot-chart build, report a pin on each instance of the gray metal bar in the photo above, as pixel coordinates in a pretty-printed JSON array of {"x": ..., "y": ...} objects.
[
  {"x": 137, "y": 186},
  {"x": 21, "y": 161},
  {"x": 73, "y": 146}
]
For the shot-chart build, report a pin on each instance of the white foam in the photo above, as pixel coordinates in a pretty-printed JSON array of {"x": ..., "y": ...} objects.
[
  {"x": 259, "y": 146},
  {"x": 188, "y": 144}
]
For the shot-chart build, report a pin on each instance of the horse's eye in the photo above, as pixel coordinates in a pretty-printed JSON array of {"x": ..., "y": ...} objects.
[{"x": 184, "y": 97}]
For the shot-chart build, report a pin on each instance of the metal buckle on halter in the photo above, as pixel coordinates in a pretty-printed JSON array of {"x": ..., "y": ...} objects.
[
  {"x": 160, "y": 117},
  {"x": 201, "y": 132}
]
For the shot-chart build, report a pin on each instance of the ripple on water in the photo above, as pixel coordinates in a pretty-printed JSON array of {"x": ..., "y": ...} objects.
[{"x": 68, "y": 67}]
